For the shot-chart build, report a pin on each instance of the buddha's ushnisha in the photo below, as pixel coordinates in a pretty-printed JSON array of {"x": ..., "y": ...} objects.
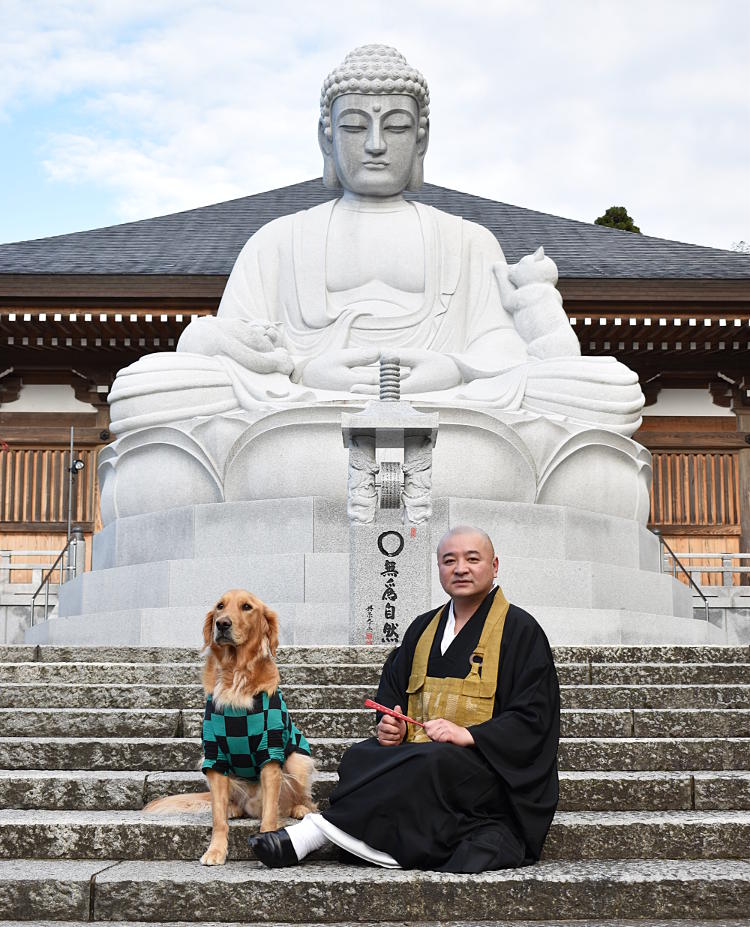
[{"x": 376, "y": 69}]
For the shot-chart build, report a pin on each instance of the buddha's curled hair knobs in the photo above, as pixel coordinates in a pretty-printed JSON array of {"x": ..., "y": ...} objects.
[{"x": 376, "y": 69}]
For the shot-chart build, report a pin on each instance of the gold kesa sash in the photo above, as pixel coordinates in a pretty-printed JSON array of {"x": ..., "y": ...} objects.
[{"x": 464, "y": 701}]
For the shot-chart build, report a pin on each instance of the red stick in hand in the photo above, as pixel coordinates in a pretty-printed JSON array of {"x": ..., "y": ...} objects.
[{"x": 389, "y": 711}]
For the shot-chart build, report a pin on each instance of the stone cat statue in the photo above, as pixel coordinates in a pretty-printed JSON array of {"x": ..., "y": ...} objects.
[{"x": 527, "y": 290}]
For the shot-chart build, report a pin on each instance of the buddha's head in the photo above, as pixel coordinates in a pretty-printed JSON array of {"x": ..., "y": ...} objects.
[{"x": 374, "y": 123}]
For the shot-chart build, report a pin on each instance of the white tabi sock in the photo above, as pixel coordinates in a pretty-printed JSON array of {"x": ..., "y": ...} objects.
[
  {"x": 352, "y": 844},
  {"x": 306, "y": 837}
]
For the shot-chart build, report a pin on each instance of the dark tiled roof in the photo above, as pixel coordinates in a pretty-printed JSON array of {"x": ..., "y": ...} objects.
[{"x": 207, "y": 241}]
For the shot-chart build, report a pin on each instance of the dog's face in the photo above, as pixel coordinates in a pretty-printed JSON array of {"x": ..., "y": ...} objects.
[{"x": 240, "y": 619}]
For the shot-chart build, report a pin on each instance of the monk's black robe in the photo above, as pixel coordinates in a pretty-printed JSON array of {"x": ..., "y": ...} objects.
[{"x": 462, "y": 809}]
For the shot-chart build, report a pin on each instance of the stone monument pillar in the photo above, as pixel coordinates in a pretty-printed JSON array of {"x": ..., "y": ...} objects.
[{"x": 389, "y": 539}]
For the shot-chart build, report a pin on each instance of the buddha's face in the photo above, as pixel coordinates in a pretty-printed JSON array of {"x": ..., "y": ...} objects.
[{"x": 375, "y": 142}]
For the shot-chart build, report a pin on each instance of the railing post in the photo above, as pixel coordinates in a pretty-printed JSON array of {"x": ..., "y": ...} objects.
[
  {"x": 726, "y": 569},
  {"x": 661, "y": 548},
  {"x": 5, "y": 566},
  {"x": 77, "y": 553}
]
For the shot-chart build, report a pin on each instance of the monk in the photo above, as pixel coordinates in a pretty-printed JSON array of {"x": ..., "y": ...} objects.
[
  {"x": 315, "y": 297},
  {"x": 474, "y": 789}
]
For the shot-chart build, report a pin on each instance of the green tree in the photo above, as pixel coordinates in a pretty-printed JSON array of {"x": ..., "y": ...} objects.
[{"x": 616, "y": 217}]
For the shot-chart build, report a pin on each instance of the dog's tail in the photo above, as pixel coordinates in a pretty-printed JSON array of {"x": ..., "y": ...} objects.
[{"x": 171, "y": 804}]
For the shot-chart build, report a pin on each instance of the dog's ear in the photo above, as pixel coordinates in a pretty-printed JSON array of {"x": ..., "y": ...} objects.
[
  {"x": 270, "y": 630},
  {"x": 208, "y": 629}
]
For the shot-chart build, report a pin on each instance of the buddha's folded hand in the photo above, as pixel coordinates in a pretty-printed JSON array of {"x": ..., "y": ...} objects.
[
  {"x": 351, "y": 369},
  {"x": 427, "y": 371}
]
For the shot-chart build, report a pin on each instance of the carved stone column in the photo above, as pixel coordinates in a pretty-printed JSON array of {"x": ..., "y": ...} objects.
[{"x": 389, "y": 536}]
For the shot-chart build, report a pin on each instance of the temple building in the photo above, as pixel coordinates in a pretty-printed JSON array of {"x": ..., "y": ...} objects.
[{"x": 74, "y": 309}]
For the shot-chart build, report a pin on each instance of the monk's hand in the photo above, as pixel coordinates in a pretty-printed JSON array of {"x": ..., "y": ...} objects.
[
  {"x": 347, "y": 369},
  {"x": 391, "y": 730},
  {"x": 446, "y": 732}
]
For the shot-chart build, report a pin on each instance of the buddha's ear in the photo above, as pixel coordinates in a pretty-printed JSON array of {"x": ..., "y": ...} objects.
[
  {"x": 423, "y": 142},
  {"x": 416, "y": 178},
  {"x": 330, "y": 177}
]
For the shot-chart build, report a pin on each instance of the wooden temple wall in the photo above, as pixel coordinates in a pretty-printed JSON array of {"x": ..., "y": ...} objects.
[
  {"x": 34, "y": 504},
  {"x": 696, "y": 498},
  {"x": 34, "y": 487},
  {"x": 695, "y": 503}
]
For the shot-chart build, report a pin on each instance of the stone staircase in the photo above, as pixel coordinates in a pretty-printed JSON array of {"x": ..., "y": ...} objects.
[{"x": 653, "y": 825}]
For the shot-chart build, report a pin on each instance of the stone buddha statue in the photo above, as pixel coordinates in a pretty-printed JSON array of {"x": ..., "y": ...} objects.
[
  {"x": 250, "y": 405},
  {"x": 315, "y": 298}
]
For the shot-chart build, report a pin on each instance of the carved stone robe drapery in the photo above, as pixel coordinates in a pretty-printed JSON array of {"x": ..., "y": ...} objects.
[{"x": 280, "y": 278}]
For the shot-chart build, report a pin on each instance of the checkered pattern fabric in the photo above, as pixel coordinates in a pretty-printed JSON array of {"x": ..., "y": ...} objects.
[{"x": 241, "y": 740}]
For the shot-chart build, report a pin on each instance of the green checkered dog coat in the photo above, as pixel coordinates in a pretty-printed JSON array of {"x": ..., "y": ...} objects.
[{"x": 241, "y": 741}]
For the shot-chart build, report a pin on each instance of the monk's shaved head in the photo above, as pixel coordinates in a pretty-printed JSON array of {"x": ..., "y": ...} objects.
[{"x": 467, "y": 529}]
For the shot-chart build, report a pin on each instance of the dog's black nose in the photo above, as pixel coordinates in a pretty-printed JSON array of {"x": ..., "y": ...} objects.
[{"x": 223, "y": 624}]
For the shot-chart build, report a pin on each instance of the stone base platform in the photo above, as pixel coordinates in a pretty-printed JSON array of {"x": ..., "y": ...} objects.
[
  {"x": 301, "y": 623},
  {"x": 587, "y": 577}
]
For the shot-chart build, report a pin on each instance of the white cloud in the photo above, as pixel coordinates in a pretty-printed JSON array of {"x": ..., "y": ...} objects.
[{"x": 567, "y": 107}]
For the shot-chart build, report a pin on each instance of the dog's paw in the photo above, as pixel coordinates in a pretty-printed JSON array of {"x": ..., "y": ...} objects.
[
  {"x": 266, "y": 826},
  {"x": 299, "y": 811},
  {"x": 214, "y": 857}
]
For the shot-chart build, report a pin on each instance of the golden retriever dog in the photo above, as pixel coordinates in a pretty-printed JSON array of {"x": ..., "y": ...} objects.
[{"x": 241, "y": 682}]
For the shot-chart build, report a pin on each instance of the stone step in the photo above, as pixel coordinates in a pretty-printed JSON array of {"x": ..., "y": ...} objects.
[
  {"x": 368, "y": 674},
  {"x": 656, "y": 696},
  {"x": 167, "y": 696},
  {"x": 71, "y": 695},
  {"x": 681, "y": 922},
  {"x": 96, "y": 722},
  {"x": 689, "y": 722},
  {"x": 576, "y": 753},
  {"x": 612, "y": 674},
  {"x": 327, "y": 653},
  {"x": 118, "y": 753},
  {"x": 129, "y": 790},
  {"x": 360, "y": 723},
  {"x": 673, "y": 653},
  {"x": 574, "y": 722},
  {"x": 574, "y": 835},
  {"x": 331, "y": 653},
  {"x": 329, "y": 892},
  {"x": 579, "y": 791},
  {"x": 699, "y": 753},
  {"x": 175, "y": 673}
]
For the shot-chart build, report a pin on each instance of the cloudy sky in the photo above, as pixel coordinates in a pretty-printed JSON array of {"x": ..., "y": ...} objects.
[{"x": 112, "y": 110}]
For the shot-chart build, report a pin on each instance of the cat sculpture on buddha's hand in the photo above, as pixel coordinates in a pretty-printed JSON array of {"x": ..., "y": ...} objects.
[{"x": 527, "y": 291}]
